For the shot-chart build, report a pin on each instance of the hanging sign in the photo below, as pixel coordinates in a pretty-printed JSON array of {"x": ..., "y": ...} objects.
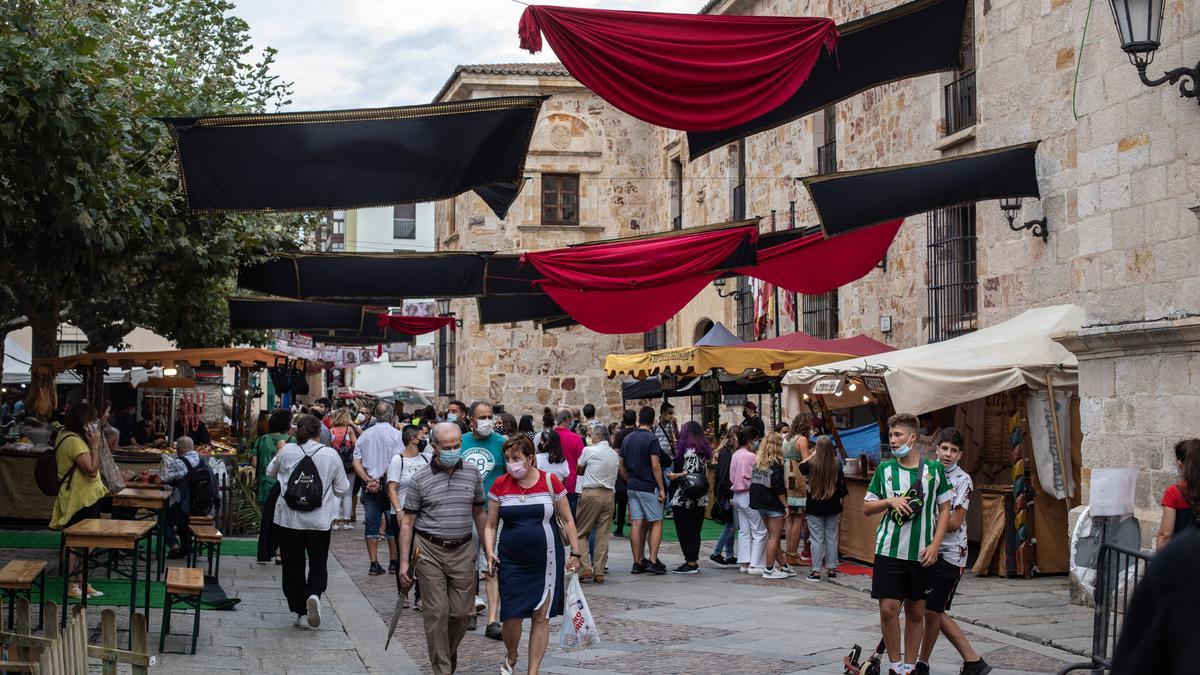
[
  {"x": 826, "y": 386},
  {"x": 874, "y": 383}
]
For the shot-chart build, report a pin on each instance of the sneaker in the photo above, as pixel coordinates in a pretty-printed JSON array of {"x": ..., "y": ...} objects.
[
  {"x": 787, "y": 569},
  {"x": 731, "y": 561},
  {"x": 814, "y": 575},
  {"x": 979, "y": 667},
  {"x": 774, "y": 573},
  {"x": 417, "y": 606},
  {"x": 921, "y": 668},
  {"x": 393, "y": 566},
  {"x": 75, "y": 592},
  {"x": 507, "y": 668},
  {"x": 637, "y": 568},
  {"x": 718, "y": 561},
  {"x": 832, "y": 574},
  {"x": 686, "y": 569},
  {"x": 480, "y": 605},
  {"x": 743, "y": 569},
  {"x": 754, "y": 570},
  {"x": 347, "y": 526},
  {"x": 314, "y": 611},
  {"x": 657, "y": 567},
  {"x": 300, "y": 622},
  {"x": 93, "y": 593},
  {"x": 493, "y": 631},
  {"x": 376, "y": 569}
]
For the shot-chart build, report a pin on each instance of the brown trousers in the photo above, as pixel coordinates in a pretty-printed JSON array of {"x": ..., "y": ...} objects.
[
  {"x": 595, "y": 512},
  {"x": 447, "y": 580}
]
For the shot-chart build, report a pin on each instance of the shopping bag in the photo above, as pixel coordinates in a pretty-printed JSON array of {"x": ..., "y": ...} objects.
[{"x": 578, "y": 629}]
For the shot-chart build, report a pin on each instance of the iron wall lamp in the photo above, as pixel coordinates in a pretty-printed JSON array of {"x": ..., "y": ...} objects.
[
  {"x": 719, "y": 284},
  {"x": 1139, "y": 25},
  {"x": 1012, "y": 207},
  {"x": 458, "y": 323}
]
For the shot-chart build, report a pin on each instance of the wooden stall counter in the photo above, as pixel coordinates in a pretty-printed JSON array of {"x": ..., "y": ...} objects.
[{"x": 856, "y": 536}]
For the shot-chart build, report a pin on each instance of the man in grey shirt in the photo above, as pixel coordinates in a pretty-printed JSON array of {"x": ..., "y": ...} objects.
[{"x": 442, "y": 501}]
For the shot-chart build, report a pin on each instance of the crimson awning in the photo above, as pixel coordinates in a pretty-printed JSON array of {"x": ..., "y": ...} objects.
[
  {"x": 913, "y": 39},
  {"x": 855, "y": 199},
  {"x": 414, "y": 325},
  {"x": 815, "y": 264},
  {"x": 356, "y": 158},
  {"x": 682, "y": 71}
]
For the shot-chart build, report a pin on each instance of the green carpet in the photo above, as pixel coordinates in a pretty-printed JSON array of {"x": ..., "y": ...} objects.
[
  {"x": 116, "y": 593},
  {"x": 49, "y": 540},
  {"x": 710, "y": 531}
]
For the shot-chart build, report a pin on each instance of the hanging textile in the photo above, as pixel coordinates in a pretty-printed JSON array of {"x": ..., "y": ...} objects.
[
  {"x": 630, "y": 310},
  {"x": 367, "y": 278},
  {"x": 853, "y": 199},
  {"x": 415, "y": 325},
  {"x": 356, "y": 158},
  {"x": 645, "y": 262},
  {"x": 916, "y": 38},
  {"x": 814, "y": 264},
  {"x": 275, "y": 314},
  {"x": 682, "y": 71}
]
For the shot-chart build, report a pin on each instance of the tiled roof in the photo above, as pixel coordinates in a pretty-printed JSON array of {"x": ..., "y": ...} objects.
[{"x": 547, "y": 69}]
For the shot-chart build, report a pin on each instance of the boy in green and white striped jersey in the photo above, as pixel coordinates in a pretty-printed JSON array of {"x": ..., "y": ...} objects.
[{"x": 914, "y": 497}]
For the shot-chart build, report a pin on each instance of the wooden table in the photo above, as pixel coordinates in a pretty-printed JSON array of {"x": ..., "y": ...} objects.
[
  {"x": 155, "y": 500},
  {"x": 140, "y": 485},
  {"x": 856, "y": 534},
  {"x": 93, "y": 535}
]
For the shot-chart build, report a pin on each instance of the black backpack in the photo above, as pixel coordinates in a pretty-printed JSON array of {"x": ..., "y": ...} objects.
[
  {"x": 45, "y": 471},
  {"x": 199, "y": 487},
  {"x": 304, "y": 489}
]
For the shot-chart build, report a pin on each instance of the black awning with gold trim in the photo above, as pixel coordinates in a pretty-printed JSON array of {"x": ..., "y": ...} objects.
[{"x": 367, "y": 278}]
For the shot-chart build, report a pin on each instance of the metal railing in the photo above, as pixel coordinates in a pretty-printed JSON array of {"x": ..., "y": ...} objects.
[
  {"x": 827, "y": 158},
  {"x": 959, "y": 98},
  {"x": 1118, "y": 572}
]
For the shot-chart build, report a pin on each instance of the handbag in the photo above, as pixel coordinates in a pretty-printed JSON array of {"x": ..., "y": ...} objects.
[
  {"x": 562, "y": 531},
  {"x": 693, "y": 486},
  {"x": 722, "y": 511}
]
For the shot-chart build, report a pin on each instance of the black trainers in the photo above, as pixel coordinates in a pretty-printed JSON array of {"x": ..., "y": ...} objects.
[
  {"x": 731, "y": 561},
  {"x": 922, "y": 668},
  {"x": 393, "y": 567},
  {"x": 979, "y": 667},
  {"x": 639, "y": 567},
  {"x": 376, "y": 569},
  {"x": 656, "y": 567},
  {"x": 493, "y": 631},
  {"x": 832, "y": 573},
  {"x": 686, "y": 569},
  {"x": 718, "y": 561}
]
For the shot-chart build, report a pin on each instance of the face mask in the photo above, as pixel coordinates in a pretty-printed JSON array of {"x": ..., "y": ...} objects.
[
  {"x": 450, "y": 456},
  {"x": 421, "y": 445},
  {"x": 518, "y": 469},
  {"x": 484, "y": 427},
  {"x": 902, "y": 450},
  {"x": 451, "y": 417}
]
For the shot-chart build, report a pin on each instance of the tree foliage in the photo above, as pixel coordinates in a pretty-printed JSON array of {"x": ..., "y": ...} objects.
[{"x": 92, "y": 220}]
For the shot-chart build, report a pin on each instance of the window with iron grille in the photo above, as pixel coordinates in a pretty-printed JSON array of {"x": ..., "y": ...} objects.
[
  {"x": 737, "y": 200},
  {"x": 952, "y": 271},
  {"x": 676, "y": 194},
  {"x": 827, "y": 153},
  {"x": 820, "y": 315},
  {"x": 655, "y": 339},
  {"x": 447, "y": 349},
  {"x": 560, "y": 199},
  {"x": 404, "y": 221},
  {"x": 745, "y": 310},
  {"x": 959, "y": 96}
]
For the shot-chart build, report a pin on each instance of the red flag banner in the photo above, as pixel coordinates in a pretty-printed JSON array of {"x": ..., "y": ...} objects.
[
  {"x": 682, "y": 71},
  {"x": 415, "y": 325}
]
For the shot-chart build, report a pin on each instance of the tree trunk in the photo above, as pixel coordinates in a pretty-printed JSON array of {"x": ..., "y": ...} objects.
[{"x": 43, "y": 396}]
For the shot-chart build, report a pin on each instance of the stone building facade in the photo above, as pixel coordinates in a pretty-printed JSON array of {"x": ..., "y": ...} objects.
[{"x": 1120, "y": 184}]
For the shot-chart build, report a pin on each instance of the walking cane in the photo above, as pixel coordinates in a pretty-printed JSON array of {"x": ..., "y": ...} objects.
[{"x": 401, "y": 595}]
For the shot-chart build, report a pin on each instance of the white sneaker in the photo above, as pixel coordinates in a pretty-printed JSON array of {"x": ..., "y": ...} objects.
[
  {"x": 774, "y": 573},
  {"x": 300, "y": 622},
  {"x": 314, "y": 611},
  {"x": 787, "y": 569},
  {"x": 348, "y": 526},
  {"x": 755, "y": 570},
  {"x": 480, "y": 605},
  {"x": 507, "y": 668}
]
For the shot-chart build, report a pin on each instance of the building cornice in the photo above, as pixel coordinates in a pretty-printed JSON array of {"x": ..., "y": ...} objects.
[{"x": 1133, "y": 338}]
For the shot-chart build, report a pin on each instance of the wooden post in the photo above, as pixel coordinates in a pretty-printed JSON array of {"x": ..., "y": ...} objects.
[
  {"x": 23, "y": 623},
  {"x": 108, "y": 639},
  {"x": 137, "y": 629}
]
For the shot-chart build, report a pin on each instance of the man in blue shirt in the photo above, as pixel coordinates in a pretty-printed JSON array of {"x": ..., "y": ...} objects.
[
  {"x": 642, "y": 470},
  {"x": 483, "y": 449}
]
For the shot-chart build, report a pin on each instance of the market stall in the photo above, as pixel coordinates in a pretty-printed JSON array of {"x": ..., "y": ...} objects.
[{"x": 1011, "y": 390}]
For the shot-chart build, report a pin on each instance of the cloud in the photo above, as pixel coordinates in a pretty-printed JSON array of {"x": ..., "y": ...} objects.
[{"x": 369, "y": 53}]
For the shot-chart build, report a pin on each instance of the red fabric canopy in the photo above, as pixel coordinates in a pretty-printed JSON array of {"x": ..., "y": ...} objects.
[
  {"x": 640, "y": 263},
  {"x": 415, "y": 325},
  {"x": 859, "y": 345},
  {"x": 683, "y": 71},
  {"x": 813, "y": 264},
  {"x": 635, "y": 310}
]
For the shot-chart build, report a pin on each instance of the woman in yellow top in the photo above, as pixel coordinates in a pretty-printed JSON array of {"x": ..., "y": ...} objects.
[{"x": 80, "y": 493}]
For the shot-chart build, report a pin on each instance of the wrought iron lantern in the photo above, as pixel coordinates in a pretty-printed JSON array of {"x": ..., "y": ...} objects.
[
  {"x": 719, "y": 284},
  {"x": 1139, "y": 25},
  {"x": 1012, "y": 208}
]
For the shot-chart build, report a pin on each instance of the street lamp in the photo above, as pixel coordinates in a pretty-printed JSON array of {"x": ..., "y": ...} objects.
[
  {"x": 719, "y": 284},
  {"x": 1139, "y": 25},
  {"x": 1012, "y": 207}
]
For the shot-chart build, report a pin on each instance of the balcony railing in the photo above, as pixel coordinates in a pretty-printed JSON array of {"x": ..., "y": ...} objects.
[
  {"x": 827, "y": 158},
  {"x": 960, "y": 103}
]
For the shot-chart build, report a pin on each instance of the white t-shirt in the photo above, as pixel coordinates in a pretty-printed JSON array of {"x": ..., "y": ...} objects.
[
  {"x": 598, "y": 465},
  {"x": 560, "y": 469},
  {"x": 954, "y": 543},
  {"x": 401, "y": 470}
]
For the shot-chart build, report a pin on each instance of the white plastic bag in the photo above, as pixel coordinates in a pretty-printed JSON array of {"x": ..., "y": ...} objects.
[{"x": 578, "y": 629}]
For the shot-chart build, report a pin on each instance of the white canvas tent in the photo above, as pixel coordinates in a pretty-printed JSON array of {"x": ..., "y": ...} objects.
[{"x": 988, "y": 361}]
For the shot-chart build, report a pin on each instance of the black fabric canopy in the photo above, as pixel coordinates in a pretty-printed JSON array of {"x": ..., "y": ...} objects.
[
  {"x": 327, "y": 322},
  {"x": 356, "y": 158},
  {"x": 854, "y": 199},
  {"x": 515, "y": 308},
  {"x": 367, "y": 278},
  {"x": 913, "y": 39}
]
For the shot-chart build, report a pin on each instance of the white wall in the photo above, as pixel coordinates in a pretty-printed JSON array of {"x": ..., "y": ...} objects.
[
  {"x": 384, "y": 375},
  {"x": 370, "y": 230}
]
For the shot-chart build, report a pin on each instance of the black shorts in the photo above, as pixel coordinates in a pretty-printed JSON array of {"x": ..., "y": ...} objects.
[
  {"x": 895, "y": 579},
  {"x": 942, "y": 585}
]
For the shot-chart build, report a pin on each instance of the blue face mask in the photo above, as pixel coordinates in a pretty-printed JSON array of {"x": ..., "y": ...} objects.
[
  {"x": 451, "y": 417},
  {"x": 450, "y": 456},
  {"x": 902, "y": 450}
]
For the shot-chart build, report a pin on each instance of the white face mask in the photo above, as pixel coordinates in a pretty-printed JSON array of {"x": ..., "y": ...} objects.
[{"x": 484, "y": 427}]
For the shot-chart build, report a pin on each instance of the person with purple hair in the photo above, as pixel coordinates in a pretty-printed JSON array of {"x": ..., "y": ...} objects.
[{"x": 693, "y": 452}]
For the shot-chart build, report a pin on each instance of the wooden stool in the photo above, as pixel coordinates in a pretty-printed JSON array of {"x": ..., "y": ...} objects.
[
  {"x": 184, "y": 585},
  {"x": 17, "y": 578},
  {"x": 201, "y": 520},
  {"x": 208, "y": 538}
]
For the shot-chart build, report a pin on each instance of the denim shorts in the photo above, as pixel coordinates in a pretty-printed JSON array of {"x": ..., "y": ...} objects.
[
  {"x": 768, "y": 513},
  {"x": 375, "y": 508},
  {"x": 645, "y": 506}
]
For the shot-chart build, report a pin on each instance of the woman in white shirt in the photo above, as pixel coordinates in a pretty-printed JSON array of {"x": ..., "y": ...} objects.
[
  {"x": 305, "y": 534},
  {"x": 550, "y": 456}
]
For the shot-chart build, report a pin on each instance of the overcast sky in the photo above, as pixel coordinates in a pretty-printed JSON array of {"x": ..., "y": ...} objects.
[{"x": 365, "y": 53}]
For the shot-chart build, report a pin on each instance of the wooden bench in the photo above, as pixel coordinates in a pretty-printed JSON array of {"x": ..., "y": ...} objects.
[
  {"x": 201, "y": 520},
  {"x": 184, "y": 585},
  {"x": 18, "y": 577},
  {"x": 208, "y": 538}
]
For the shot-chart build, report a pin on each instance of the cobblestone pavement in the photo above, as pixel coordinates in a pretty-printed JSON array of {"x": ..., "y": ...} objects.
[{"x": 715, "y": 622}]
